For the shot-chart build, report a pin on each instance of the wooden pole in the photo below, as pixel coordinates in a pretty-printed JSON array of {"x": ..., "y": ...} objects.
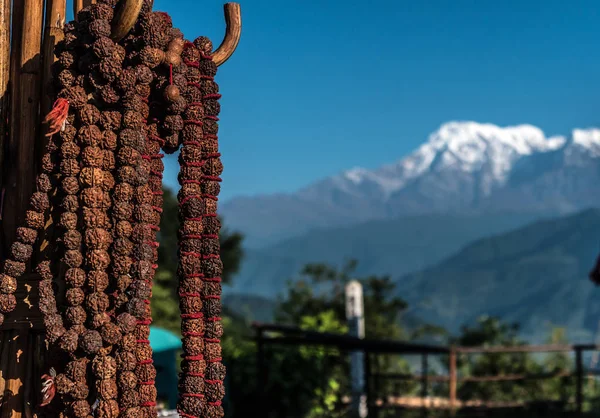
[
  {"x": 56, "y": 11},
  {"x": 5, "y": 6},
  {"x": 233, "y": 33},
  {"x": 24, "y": 109},
  {"x": 452, "y": 372},
  {"x": 579, "y": 381}
]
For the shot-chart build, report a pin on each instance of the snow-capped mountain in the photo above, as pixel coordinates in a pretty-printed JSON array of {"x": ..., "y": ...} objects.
[{"x": 463, "y": 167}]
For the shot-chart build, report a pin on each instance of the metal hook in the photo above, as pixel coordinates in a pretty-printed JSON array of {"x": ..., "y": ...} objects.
[{"x": 128, "y": 11}]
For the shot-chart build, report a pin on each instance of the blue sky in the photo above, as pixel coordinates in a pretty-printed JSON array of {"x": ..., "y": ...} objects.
[{"x": 317, "y": 87}]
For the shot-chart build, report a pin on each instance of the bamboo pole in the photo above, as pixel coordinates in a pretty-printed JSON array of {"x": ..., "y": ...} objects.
[
  {"x": 24, "y": 105},
  {"x": 5, "y": 6}
]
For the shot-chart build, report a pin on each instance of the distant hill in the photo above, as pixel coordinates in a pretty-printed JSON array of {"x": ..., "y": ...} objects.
[
  {"x": 536, "y": 276},
  {"x": 250, "y": 308},
  {"x": 463, "y": 167},
  {"x": 395, "y": 247}
]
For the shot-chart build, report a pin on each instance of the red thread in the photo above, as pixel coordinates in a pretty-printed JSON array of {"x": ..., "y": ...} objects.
[
  {"x": 193, "y": 395},
  {"x": 214, "y": 319},
  {"x": 158, "y": 209},
  {"x": 193, "y": 334},
  {"x": 148, "y": 383},
  {"x": 153, "y": 244},
  {"x": 192, "y": 64},
  {"x": 156, "y": 173},
  {"x": 144, "y": 322},
  {"x": 215, "y": 118},
  {"x": 193, "y": 164},
  {"x": 215, "y": 360},
  {"x": 197, "y": 315},
  {"x": 213, "y": 279},
  {"x": 191, "y": 295},
  {"x": 142, "y": 341},
  {"x": 146, "y": 362},
  {"x": 211, "y": 297},
  {"x": 194, "y": 358},
  {"x": 199, "y": 236},
  {"x": 198, "y": 255},
  {"x": 154, "y": 227},
  {"x": 212, "y": 96},
  {"x": 192, "y": 143},
  {"x": 147, "y": 404},
  {"x": 212, "y": 340},
  {"x": 193, "y": 122},
  {"x": 158, "y": 193},
  {"x": 213, "y": 382},
  {"x": 215, "y": 403}
]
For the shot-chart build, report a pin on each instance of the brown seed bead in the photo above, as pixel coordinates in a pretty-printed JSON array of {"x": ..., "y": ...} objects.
[
  {"x": 54, "y": 327},
  {"x": 75, "y": 296},
  {"x": 67, "y": 59},
  {"x": 39, "y": 202},
  {"x": 97, "y": 280},
  {"x": 126, "y": 361},
  {"x": 8, "y": 284},
  {"x": 80, "y": 409},
  {"x": 98, "y": 260},
  {"x": 133, "y": 120},
  {"x": 68, "y": 342},
  {"x": 76, "y": 96},
  {"x": 70, "y": 185},
  {"x": 75, "y": 277},
  {"x": 215, "y": 371},
  {"x": 109, "y": 95},
  {"x": 127, "y": 79},
  {"x": 110, "y": 333},
  {"x": 21, "y": 252},
  {"x": 99, "y": 28},
  {"x": 90, "y": 341},
  {"x": 191, "y": 54},
  {"x": 63, "y": 384},
  {"x": 68, "y": 220},
  {"x": 69, "y": 150},
  {"x": 108, "y": 160},
  {"x": 132, "y": 138},
  {"x": 66, "y": 78},
  {"x": 121, "y": 265},
  {"x": 130, "y": 399},
  {"x": 128, "y": 156},
  {"x": 96, "y": 218},
  {"x": 109, "y": 69},
  {"x": 123, "y": 211},
  {"x": 104, "y": 367},
  {"x": 98, "y": 238},
  {"x": 111, "y": 120},
  {"x": 193, "y": 326},
  {"x": 176, "y": 45},
  {"x": 128, "y": 342},
  {"x": 172, "y": 58},
  {"x": 126, "y": 323},
  {"x": 44, "y": 183},
  {"x": 204, "y": 45},
  {"x": 190, "y": 305},
  {"x": 73, "y": 258},
  {"x": 192, "y": 406},
  {"x": 34, "y": 220},
  {"x": 124, "y": 191},
  {"x": 193, "y": 346},
  {"x": 90, "y": 135},
  {"x": 107, "y": 409},
  {"x": 103, "y": 47},
  {"x": 98, "y": 320},
  {"x": 107, "y": 389},
  {"x": 97, "y": 302},
  {"x": 193, "y": 384},
  {"x": 122, "y": 246},
  {"x": 145, "y": 372},
  {"x": 92, "y": 156},
  {"x": 147, "y": 394},
  {"x": 80, "y": 391},
  {"x": 88, "y": 115},
  {"x": 123, "y": 229},
  {"x": 151, "y": 57},
  {"x": 75, "y": 315},
  {"x": 70, "y": 203},
  {"x": 131, "y": 412},
  {"x": 172, "y": 94},
  {"x": 69, "y": 167},
  {"x": 76, "y": 370},
  {"x": 191, "y": 284},
  {"x": 72, "y": 240}
]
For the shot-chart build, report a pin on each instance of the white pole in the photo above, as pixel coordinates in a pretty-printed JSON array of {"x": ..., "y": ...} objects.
[{"x": 356, "y": 325}]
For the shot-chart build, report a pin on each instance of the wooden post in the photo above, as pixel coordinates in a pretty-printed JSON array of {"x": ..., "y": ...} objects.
[
  {"x": 424, "y": 381},
  {"x": 5, "y": 6},
  {"x": 579, "y": 379},
  {"x": 24, "y": 109},
  {"x": 260, "y": 372},
  {"x": 452, "y": 383}
]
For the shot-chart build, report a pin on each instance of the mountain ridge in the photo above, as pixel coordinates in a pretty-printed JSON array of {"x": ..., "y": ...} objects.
[{"x": 463, "y": 167}]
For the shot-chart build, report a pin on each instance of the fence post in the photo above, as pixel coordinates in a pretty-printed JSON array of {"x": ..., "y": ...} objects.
[
  {"x": 424, "y": 381},
  {"x": 260, "y": 371},
  {"x": 579, "y": 377},
  {"x": 452, "y": 380}
]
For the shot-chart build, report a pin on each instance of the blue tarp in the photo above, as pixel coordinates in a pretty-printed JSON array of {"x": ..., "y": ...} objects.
[{"x": 163, "y": 340}]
